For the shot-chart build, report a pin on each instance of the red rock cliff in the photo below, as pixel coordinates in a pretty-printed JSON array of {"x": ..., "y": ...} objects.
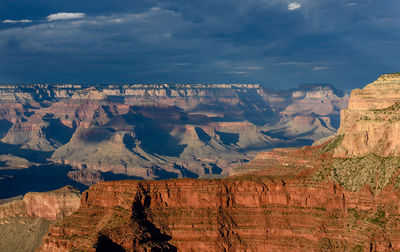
[{"x": 245, "y": 213}]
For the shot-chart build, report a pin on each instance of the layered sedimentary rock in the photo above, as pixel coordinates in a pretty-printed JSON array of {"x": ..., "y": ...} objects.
[
  {"x": 23, "y": 222},
  {"x": 47, "y": 205},
  {"x": 371, "y": 124},
  {"x": 269, "y": 210},
  {"x": 161, "y": 131},
  {"x": 303, "y": 199}
]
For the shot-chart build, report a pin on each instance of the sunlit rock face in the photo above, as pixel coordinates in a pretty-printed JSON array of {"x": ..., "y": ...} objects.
[
  {"x": 380, "y": 94},
  {"x": 51, "y": 205},
  {"x": 24, "y": 221},
  {"x": 371, "y": 124},
  {"x": 162, "y": 131},
  {"x": 244, "y": 213}
]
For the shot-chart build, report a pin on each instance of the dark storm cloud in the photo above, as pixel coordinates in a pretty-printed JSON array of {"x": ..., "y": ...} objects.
[{"x": 274, "y": 42}]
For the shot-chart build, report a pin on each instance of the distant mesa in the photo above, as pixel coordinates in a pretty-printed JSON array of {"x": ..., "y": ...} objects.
[{"x": 160, "y": 131}]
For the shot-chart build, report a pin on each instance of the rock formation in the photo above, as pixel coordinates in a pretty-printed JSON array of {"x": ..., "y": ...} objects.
[
  {"x": 13, "y": 162},
  {"x": 371, "y": 124},
  {"x": 160, "y": 131},
  {"x": 288, "y": 199},
  {"x": 274, "y": 212},
  {"x": 23, "y": 222}
]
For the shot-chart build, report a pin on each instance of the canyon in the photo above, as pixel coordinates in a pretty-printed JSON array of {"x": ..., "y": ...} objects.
[
  {"x": 289, "y": 199},
  {"x": 84, "y": 134}
]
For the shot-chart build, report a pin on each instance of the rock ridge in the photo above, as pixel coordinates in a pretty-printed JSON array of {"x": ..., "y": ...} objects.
[
  {"x": 371, "y": 123},
  {"x": 24, "y": 222},
  {"x": 51, "y": 205}
]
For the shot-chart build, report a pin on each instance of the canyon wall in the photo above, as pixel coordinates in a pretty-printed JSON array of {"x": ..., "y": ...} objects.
[
  {"x": 228, "y": 215},
  {"x": 160, "y": 131},
  {"x": 334, "y": 196},
  {"x": 371, "y": 124}
]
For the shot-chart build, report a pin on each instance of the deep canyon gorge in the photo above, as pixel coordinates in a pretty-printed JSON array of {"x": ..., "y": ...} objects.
[
  {"x": 341, "y": 194},
  {"x": 82, "y": 134}
]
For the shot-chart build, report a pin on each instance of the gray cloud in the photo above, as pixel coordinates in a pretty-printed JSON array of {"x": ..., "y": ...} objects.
[{"x": 195, "y": 41}]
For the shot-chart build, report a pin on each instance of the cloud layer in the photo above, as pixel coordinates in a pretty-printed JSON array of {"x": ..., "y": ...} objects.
[
  {"x": 65, "y": 16},
  {"x": 10, "y": 21},
  {"x": 336, "y": 41}
]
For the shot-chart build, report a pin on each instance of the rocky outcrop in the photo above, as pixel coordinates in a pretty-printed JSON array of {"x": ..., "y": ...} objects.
[
  {"x": 371, "y": 124},
  {"x": 380, "y": 94},
  {"x": 24, "y": 222},
  {"x": 85, "y": 176},
  {"x": 51, "y": 205}
]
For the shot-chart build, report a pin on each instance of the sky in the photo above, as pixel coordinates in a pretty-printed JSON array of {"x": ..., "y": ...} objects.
[{"x": 277, "y": 43}]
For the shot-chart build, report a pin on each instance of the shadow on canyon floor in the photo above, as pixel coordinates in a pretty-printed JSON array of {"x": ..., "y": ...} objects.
[
  {"x": 296, "y": 143},
  {"x": 30, "y": 155},
  {"x": 44, "y": 178},
  {"x": 47, "y": 176},
  {"x": 109, "y": 176},
  {"x": 35, "y": 179}
]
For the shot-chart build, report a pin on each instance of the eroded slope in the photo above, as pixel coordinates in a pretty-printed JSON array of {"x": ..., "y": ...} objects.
[
  {"x": 24, "y": 222},
  {"x": 160, "y": 131}
]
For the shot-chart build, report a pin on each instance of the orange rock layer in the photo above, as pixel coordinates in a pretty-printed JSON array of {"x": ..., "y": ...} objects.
[
  {"x": 250, "y": 213},
  {"x": 371, "y": 124}
]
